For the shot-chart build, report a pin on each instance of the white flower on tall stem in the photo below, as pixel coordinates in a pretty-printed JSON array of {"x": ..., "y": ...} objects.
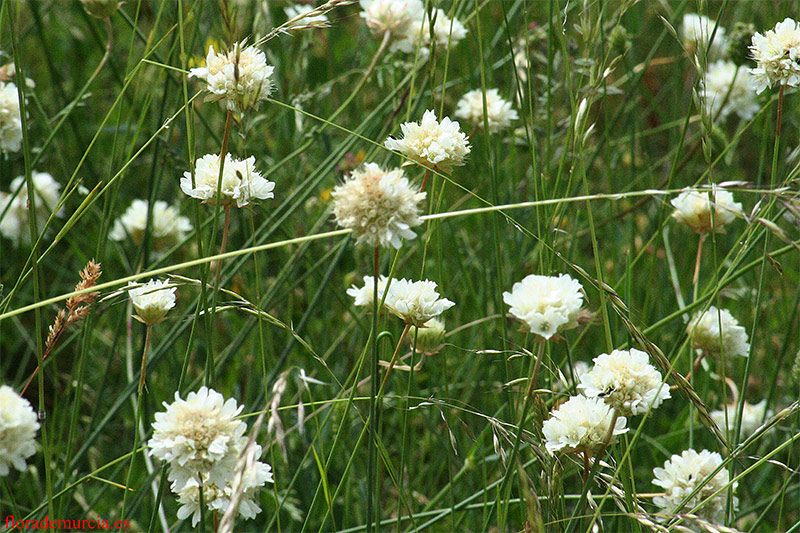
[
  {"x": 706, "y": 211},
  {"x": 167, "y": 226},
  {"x": 363, "y": 296},
  {"x": 440, "y": 144},
  {"x": 308, "y": 21},
  {"x": 696, "y": 31},
  {"x": 582, "y": 424},
  {"x": 717, "y": 331},
  {"x": 14, "y": 224},
  {"x": 393, "y": 16},
  {"x": 727, "y": 89},
  {"x": 241, "y": 76},
  {"x": 777, "y": 54},
  {"x": 18, "y": 426},
  {"x": 415, "y": 302},
  {"x": 152, "y": 300},
  {"x": 241, "y": 182},
  {"x": 499, "y": 112},
  {"x": 684, "y": 474},
  {"x": 446, "y": 31},
  {"x": 380, "y": 206},
  {"x": 625, "y": 380},
  {"x": 547, "y": 304},
  {"x": 10, "y": 118},
  {"x": 753, "y": 415}
]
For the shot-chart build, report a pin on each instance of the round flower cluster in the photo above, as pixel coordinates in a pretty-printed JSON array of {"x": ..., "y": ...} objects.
[
  {"x": 716, "y": 331},
  {"x": 499, "y": 112},
  {"x": 240, "y": 76},
  {"x": 10, "y": 118},
  {"x": 14, "y": 224},
  {"x": 626, "y": 380},
  {"x": 726, "y": 90},
  {"x": 685, "y": 473},
  {"x": 307, "y": 21},
  {"x": 705, "y": 211},
  {"x": 393, "y": 16},
  {"x": 547, "y": 304},
  {"x": 753, "y": 415},
  {"x": 152, "y": 300},
  {"x": 363, "y": 295},
  {"x": 200, "y": 436},
  {"x": 696, "y": 31},
  {"x": 418, "y": 34},
  {"x": 380, "y": 206},
  {"x": 440, "y": 144},
  {"x": 430, "y": 337},
  {"x": 241, "y": 182},
  {"x": 18, "y": 426},
  {"x": 582, "y": 424},
  {"x": 777, "y": 54},
  {"x": 167, "y": 226},
  {"x": 415, "y": 302}
]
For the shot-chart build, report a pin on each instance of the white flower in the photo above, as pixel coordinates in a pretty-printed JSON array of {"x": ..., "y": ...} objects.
[
  {"x": 429, "y": 338},
  {"x": 14, "y": 225},
  {"x": 696, "y": 30},
  {"x": 500, "y": 113},
  {"x": 547, "y": 304},
  {"x": 295, "y": 10},
  {"x": 446, "y": 31},
  {"x": 626, "y": 380},
  {"x": 380, "y": 206},
  {"x": 440, "y": 144},
  {"x": 167, "y": 226},
  {"x": 390, "y": 15},
  {"x": 717, "y": 331},
  {"x": 777, "y": 54},
  {"x": 363, "y": 295},
  {"x": 199, "y": 435},
  {"x": 415, "y": 302},
  {"x": 684, "y": 473},
  {"x": 240, "y": 76},
  {"x": 697, "y": 208},
  {"x": 725, "y": 82},
  {"x": 217, "y": 498},
  {"x": 581, "y": 424},
  {"x": 241, "y": 182},
  {"x": 10, "y": 118},
  {"x": 152, "y": 300},
  {"x": 753, "y": 415},
  {"x": 18, "y": 426}
]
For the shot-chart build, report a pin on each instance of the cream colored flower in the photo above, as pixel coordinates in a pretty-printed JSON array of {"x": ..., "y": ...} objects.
[
  {"x": 446, "y": 32},
  {"x": 581, "y": 424},
  {"x": 715, "y": 331},
  {"x": 380, "y": 206},
  {"x": 152, "y": 300},
  {"x": 725, "y": 83},
  {"x": 753, "y": 415},
  {"x": 777, "y": 54},
  {"x": 390, "y": 15},
  {"x": 10, "y": 118},
  {"x": 547, "y": 304},
  {"x": 18, "y": 426},
  {"x": 685, "y": 473},
  {"x": 167, "y": 226},
  {"x": 14, "y": 224},
  {"x": 313, "y": 21},
  {"x": 429, "y": 338},
  {"x": 415, "y": 302},
  {"x": 241, "y": 182},
  {"x": 705, "y": 211},
  {"x": 440, "y": 144},
  {"x": 626, "y": 380},
  {"x": 240, "y": 76},
  {"x": 499, "y": 111},
  {"x": 363, "y": 295},
  {"x": 696, "y": 31}
]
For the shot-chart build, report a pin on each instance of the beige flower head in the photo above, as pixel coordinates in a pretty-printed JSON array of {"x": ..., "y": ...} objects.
[{"x": 439, "y": 144}]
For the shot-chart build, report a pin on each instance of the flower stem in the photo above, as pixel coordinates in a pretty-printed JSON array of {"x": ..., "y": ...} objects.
[
  {"x": 780, "y": 111},
  {"x": 697, "y": 262},
  {"x": 425, "y": 180},
  {"x": 373, "y": 418}
]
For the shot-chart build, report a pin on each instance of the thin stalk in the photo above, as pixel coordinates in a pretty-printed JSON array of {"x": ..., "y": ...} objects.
[{"x": 373, "y": 419}]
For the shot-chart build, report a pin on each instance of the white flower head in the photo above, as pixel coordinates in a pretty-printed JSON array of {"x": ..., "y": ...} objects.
[
  {"x": 380, "y": 206},
  {"x": 499, "y": 111},
  {"x": 199, "y": 435},
  {"x": 753, "y": 415},
  {"x": 241, "y": 182},
  {"x": 415, "y": 302},
  {"x": 684, "y": 473},
  {"x": 626, "y": 380},
  {"x": 18, "y": 426},
  {"x": 312, "y": 21},
  {"x": 152, "y": 300},
  {"x": 696, "y": 31},
  {"x": 440, "y": 144},
  {"x": 777, "y": 54},
  {"x": 716, "y": 331},
  {"x": 10, "y": 118},
  {"x": 14, "y": 225},
  {"x": 390, "y": 15},
  {"x": 363, "y": 296},
  {"x": 705, "y": 211},
  {"x": 446, "y": 32},
  {"x": 581, "y": 424},
  {"x": 240, "y": 76},
  {"x": 167, "y": 226},
  {"x": 725, "y": 83},
  {"x": 547, "y": 304},
  {"x": 429, "y": 338}
]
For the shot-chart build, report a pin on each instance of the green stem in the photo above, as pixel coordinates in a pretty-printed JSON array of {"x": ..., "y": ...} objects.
[
  {"x": 138, "y": 419},
  {"x": 373, "y": 419}
]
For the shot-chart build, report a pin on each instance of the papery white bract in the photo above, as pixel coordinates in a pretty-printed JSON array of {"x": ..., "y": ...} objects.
[
  {"x": 241, "y": 182},
  {"x": 440, "y": 144},
  {"x": 18, "y": 426},
  {"x": 547, "y": 304}
]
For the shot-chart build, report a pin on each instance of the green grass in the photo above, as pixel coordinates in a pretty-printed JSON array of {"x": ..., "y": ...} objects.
[{"x": 544, "y": 197}]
